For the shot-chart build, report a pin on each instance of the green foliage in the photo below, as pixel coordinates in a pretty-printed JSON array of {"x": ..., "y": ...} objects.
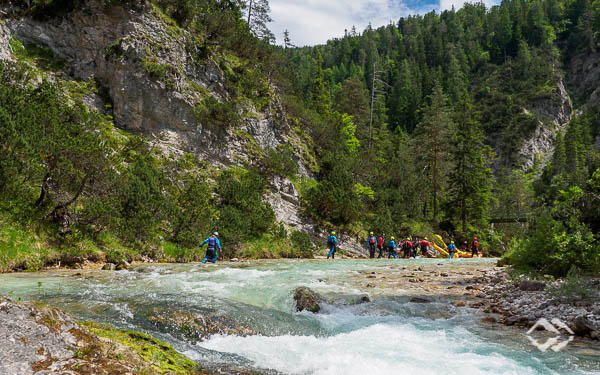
[
  {"x": 301, "y": 241},
  {"x": 574, "y": 287},
  {"x": 281, "y": 161},
  {"x": 212, "y": 112},
  {"x": 243, "y": 214}
]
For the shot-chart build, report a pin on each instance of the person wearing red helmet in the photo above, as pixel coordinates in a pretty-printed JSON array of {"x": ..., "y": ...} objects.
[
  {"x": 424, "y": 247},
  {"x": 474, "y": 248}
]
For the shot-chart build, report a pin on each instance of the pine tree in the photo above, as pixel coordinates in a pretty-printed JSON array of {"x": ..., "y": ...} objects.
[
  {"x": 258, "y": 18},
  {"x": 432, "y": 135},
  {"x": 320, "y": 96},
  {"x": 469, "y": 187}
]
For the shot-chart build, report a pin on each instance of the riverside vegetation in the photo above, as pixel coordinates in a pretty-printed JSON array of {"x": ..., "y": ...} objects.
[{"x": 414, "y": 127}]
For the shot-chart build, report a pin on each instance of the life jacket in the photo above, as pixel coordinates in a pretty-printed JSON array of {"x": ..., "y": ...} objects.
[
  {"x": 424, "y": 246},
  {"x": 372, "y": 240},
  {"x": 391, "y": 245},
  {"x": 407, "y": 245},
  {"x": 474, "y": 245},
  {"x": 212, "y": 242},
  {"x": 380, "y": 241},
  {"x": 331, "y": 240}
]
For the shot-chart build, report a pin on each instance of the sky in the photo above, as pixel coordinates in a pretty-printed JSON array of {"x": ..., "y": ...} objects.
[{"x": 313, "y": 22}]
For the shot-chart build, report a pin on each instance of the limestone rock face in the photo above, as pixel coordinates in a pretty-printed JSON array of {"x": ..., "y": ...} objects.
[
  {"x": 154, "y": 78},
  {"x": 556, "y": 112}
]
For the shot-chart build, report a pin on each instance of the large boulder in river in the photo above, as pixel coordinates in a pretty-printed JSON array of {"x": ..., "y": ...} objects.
[
  {"x": 532, "y": 285},
  {"x": 582, "y": 326},
  {"x": 307, "y": 299}
]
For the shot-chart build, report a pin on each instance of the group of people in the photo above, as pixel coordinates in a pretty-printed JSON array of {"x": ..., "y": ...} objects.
[{"x": 407, "y": 248}]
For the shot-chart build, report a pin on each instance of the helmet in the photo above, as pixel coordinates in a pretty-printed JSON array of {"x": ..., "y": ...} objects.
[
  {"x": 452, "y": 242},
  {"x": 426, "y": 239},
  {"x": 333, "y": 233},
  {"x": 408, "y": 239},
  {"x": 216, "y": 234},
  {"x": 393, "y": 238},
  {"x": 371, "y": 233},
  {"x": 475, "y": 238}
]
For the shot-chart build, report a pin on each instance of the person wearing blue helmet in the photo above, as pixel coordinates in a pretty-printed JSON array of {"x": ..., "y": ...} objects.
[{"x": 214, "y": 246}]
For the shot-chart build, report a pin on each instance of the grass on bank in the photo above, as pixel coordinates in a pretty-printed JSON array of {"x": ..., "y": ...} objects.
[{"x": 162, "y": 357}]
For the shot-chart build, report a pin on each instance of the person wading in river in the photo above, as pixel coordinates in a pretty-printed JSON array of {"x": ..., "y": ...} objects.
[
  {"x": 371, "y": 241},
  {"x": 380, "y": 245},
  {"x": 406, "y": 248},
  {"x": 214, "y": 246},
  {"x": 332, "y": 244},
  {"x": 391, "y": 248},
  {"x": 474, "y": 248},
  {"x": 424, "y": 247},
  {"x": 451, "y": 249}
]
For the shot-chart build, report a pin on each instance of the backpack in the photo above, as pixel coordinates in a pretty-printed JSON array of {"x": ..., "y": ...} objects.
[
  {"x": 380, "y": 241},
  {"x": 212, "y": 242},
  {"x": 330, "y": 240},
  {"x": 372, "y": 240}
]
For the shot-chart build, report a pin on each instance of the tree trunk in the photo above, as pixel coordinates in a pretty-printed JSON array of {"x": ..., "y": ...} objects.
[
  {"x": 44, "y": 191},
  {"x": 250, "y": 2}
]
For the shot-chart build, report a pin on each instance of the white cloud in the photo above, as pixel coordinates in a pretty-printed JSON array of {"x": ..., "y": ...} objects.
[
  {"x": 316, "y": 21},
  {"x": 313, "y": 22}
]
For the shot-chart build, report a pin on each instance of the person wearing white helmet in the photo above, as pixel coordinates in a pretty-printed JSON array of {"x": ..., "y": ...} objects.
[{"x": 214, "y": 246}]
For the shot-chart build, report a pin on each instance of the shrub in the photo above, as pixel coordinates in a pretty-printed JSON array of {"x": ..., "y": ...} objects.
[
  {"x": 301, "y": 241},
  {"x": 281, "y": 161}
]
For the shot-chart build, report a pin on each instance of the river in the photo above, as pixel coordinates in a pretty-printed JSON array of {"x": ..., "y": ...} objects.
[{"x": 388, "y": 335}]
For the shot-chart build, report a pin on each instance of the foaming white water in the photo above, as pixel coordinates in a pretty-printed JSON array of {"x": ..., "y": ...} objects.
[{"x": 378, "y": 349}]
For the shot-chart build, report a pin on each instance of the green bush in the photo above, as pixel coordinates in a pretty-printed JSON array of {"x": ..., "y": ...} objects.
[
  {"x": 213, "y": 112},
  {"x": 281, "y": 161},
  {"x": 243, "y": 214},
  {"x": 553, "y": 248},
  {"x": 301, "y": 241}
]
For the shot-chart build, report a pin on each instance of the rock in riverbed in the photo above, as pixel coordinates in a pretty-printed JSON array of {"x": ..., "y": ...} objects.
[
  {"x": 532, "y": 286},
  {"x": 38, "y": 339},
  {"x": 307, "y": 299}
]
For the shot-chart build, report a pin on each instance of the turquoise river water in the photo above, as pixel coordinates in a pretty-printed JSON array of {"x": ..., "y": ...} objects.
[{"x": 388, "y": 335}]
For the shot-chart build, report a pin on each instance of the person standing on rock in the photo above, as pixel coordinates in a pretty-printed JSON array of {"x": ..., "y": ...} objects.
[
  {"x": 406, "y": 248},
  {"x": 474, "y": 248},
  {"x": 392, "y": 248},
  {"x": 371, "y": 241},
  {"x": 214, "y": 246},
  {"x": 451, "y": 249},
  {"x": 424, "y": 247},
  {"x": 332, "y": 244},
  {"x": 380, "y": 245}
]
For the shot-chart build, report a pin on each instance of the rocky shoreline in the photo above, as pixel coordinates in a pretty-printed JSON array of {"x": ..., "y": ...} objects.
[{"x": 484, "y": 287}]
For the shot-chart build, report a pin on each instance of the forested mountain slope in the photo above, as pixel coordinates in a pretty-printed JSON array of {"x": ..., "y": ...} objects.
[{"x": 436, "y": 123}]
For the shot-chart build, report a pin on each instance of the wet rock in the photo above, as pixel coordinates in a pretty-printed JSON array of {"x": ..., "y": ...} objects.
[
  {"x": 531, "y": 286},
  {"x": 370, "y": 285},
  {"x": 489, "y": 319},
  {"x": 196, "y": 327},
  {"x": 109, "y": 267},
  {"x": 582, "y": 326},
  {"x": 371, "y": 276},
  {"x": 421, "y": 279},
  {"x": 307, "y": 299},
  {"x": 419, "y": 300},
  {"x": 124, "y": 265},
  {"x": 459, "y": 303},
  {"x": 595, "y": 335},
  {"x": 443, "y": 274}
]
